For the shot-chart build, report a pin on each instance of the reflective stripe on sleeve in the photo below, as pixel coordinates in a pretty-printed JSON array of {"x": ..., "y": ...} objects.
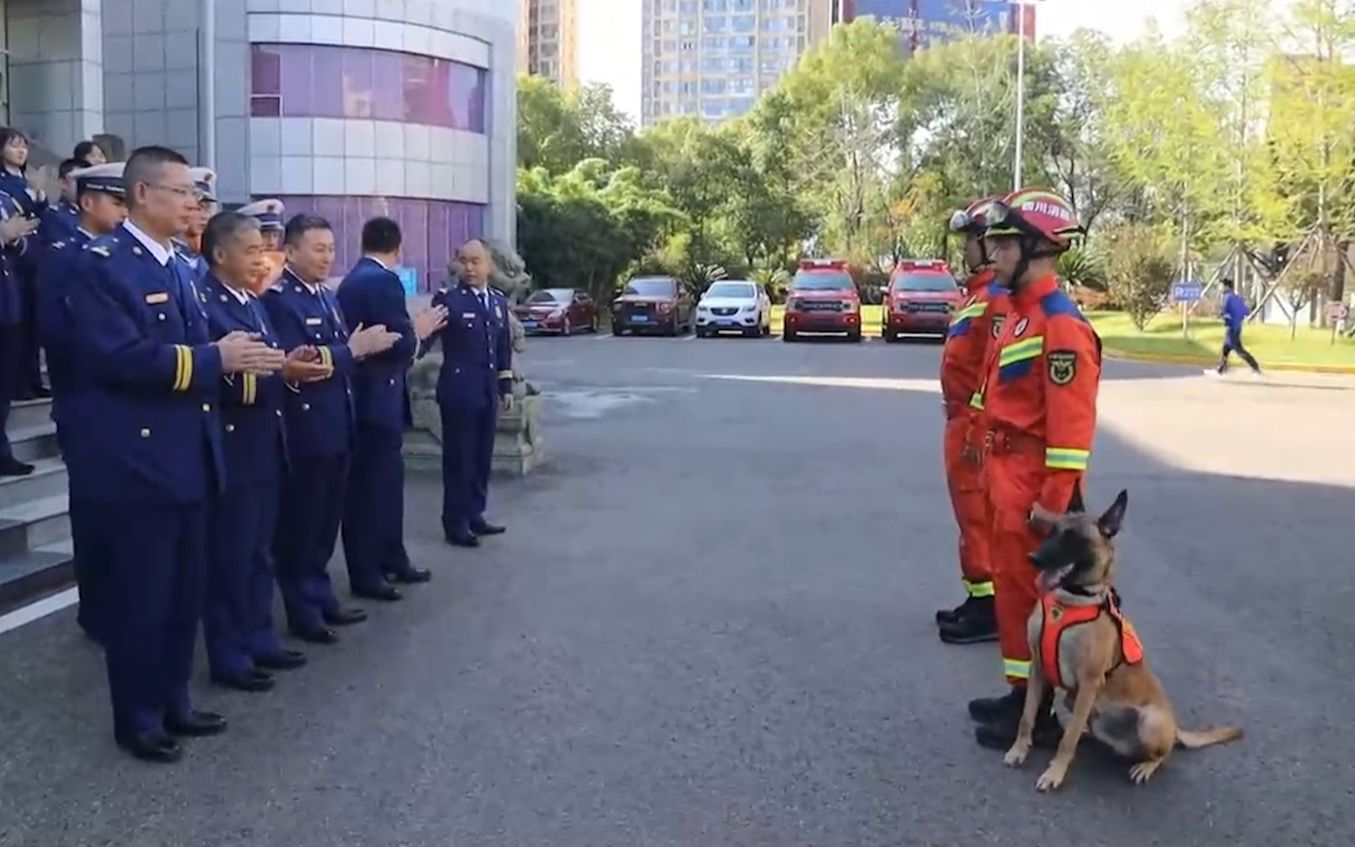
[
  {"x": 976, "y": 400},
  {"x": 1021, "y": 351},
  {"x": 973, "y": 310},
  {"x": 1066, "y": 458},
  {"x": 979, "y": 589},
  {"x": 183, "y": 367}
]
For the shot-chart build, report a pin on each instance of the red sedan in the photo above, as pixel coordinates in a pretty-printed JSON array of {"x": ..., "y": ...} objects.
[{"x": 563, "y": 311}]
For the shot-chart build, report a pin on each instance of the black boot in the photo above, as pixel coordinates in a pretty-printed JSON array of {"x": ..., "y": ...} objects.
[
  {"x": 1000, "y": 732},
  {"x": 1009, "y": 705},
  {"x": 950, "y": 616},
  {"x": 977, "y": 624}
]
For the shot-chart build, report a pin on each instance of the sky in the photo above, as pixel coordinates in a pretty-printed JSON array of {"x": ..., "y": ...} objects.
[{"x": 609, "y": 40}]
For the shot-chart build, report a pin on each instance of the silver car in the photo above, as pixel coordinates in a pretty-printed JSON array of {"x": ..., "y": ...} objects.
[{"x": 734, "y": 305}]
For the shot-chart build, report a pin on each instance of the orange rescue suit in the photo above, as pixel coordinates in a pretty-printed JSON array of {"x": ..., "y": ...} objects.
[
  {"x": 1058, "y": 617},
  {"x": 972, "y": 330},
  {"x": 1039, "y": 401}
]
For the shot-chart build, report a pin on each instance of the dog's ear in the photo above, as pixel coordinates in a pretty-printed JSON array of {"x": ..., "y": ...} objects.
[
  {"x": 1113, "y": 519},
  {"x": 1042, "y": 519}
]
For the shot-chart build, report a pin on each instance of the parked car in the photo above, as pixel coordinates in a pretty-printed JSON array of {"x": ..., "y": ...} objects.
[
  {"x": 560, "y": 310},
  {"x": 822, "y": 299},
  {"x": 653, "y": 304},
  {"x": 919, "y": 299},
  {"x": 734, "y": 305}
]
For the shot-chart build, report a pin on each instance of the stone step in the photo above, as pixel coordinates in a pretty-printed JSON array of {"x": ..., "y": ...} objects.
[
  {"x": 47, "y": 480},
  {"x": 29, "y": 413},
  {"x": 31, "y": 443},
  {"x": 26, "y": 577},
  {"x": 32, "y": 524}
]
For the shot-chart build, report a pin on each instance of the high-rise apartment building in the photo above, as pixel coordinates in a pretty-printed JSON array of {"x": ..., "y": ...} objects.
[
  {"x": 548, "y": 39},
  {"x": 710, "y": 59}
]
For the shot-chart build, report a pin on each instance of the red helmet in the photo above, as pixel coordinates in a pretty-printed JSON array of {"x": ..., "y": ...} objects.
[
  {"x": 974, "y": 218},
  {"x": 1035, "y": 211}
]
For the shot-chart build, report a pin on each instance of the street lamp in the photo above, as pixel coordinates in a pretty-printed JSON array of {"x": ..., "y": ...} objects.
[{"x": 1020, "y": 83}]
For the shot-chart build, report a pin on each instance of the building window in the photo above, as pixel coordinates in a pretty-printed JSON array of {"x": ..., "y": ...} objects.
[
  {"x": 432, "y": 229},
  {"x": 320, "y": 81}
]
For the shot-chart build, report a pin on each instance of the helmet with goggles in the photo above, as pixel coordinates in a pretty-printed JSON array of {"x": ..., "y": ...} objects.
[{"x": 1035, "y": 212}]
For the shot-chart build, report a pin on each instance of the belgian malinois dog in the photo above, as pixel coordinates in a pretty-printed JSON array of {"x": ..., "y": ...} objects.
[{"x": 1081, "y": 643}]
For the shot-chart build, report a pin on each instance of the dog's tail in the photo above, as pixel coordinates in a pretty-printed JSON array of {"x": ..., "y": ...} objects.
[{"x": 1195, "y": 739}]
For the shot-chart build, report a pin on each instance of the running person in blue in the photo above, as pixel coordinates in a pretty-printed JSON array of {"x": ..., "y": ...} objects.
[{"x": 1234, "y": 313}]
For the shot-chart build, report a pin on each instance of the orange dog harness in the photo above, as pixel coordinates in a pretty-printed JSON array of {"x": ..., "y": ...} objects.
[{"x": 1058, "y": 617}]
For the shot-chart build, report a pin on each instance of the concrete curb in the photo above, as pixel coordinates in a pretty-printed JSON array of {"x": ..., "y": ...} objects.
[{"x": 1204, "y": 361}]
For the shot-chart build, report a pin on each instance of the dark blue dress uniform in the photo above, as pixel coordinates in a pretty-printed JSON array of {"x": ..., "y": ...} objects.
[
  {"x": 476, "y": 371},
  {"x": 373, "y": 522},
  {"x": 12, "y": 309},
  {"x": 196, "y": 264},
  {"x": 59, "y": 222},
  {"x": 57, "y": 283},
  {"x": 237, "y": 621},
  {"x": 31, "y": 203},
  {"x": 319, "y": 419},
  {"x": 149, "y": 465}
]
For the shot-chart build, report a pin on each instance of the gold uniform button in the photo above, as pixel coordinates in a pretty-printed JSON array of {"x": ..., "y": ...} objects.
[
  {"x": 230, "y": 427},
  {"x": 145, "y": 433}
]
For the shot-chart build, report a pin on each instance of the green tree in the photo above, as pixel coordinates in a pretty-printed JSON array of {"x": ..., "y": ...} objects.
[{"x": 558, "y": 129}]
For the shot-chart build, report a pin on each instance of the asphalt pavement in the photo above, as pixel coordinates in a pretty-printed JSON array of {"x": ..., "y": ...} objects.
[{"x": 710, "y": 623}]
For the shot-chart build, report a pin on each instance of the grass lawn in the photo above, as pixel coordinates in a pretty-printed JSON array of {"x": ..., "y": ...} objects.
[{"x": 1271, "y": 345}]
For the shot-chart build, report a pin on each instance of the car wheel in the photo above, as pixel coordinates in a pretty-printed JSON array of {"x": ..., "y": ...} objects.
[
  {"x": 891, "y": 338},
  {"x": 567, "y": 328},
  {"x": 788, "y": 335},
  {"x": 854, "y": 337}
]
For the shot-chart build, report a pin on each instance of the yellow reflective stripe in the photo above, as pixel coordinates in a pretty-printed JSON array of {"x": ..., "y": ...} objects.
[
  {"x": 976, "y": 401},
  {"x": 1066, "y": 458},
  {"x": 979, "y": 589},
  {"x": 1016, "y": 668},
  {"x": 1021, "y": 351},
  {"x": 505, "y": 374},
  {"x": 249, "y": 390},
  {"x": 974, "y": 310},
  {"x": 326, "y": 357},
  {"x": 183, "y": 367}
]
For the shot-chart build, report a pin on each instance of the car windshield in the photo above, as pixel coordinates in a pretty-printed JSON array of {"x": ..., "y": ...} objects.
[
  {"x": 821, "y": 281},
  {"x": 924, "y": 282},
  {"x": 547, "y": 297},
  {"x": 732, "y": 289},
  {"x": 653, "y": 287}
]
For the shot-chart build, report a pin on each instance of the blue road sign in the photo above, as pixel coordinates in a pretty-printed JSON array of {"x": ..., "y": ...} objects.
[
  {"x": 1187, "y": 292},
  {"x": 409, "y": 278}
]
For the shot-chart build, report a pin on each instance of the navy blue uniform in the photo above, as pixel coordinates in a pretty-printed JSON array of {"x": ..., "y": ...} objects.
[
  {"x": 149, "y": 465},
  {"x": 319, "y": 419},
  {"x": 237, "y": 619},
  {"x": 59, "y": 222},
  {"x": 196, "y": 264},
  {"x": 57, "y": 282},
  {"x": 12, "y": 263},
  {"x": 31, "y": 204},
  {"x": 476, "y": 371},
  {"x": 374, "y": 515}
]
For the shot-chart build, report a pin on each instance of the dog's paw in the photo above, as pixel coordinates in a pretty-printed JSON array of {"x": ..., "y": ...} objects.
[
  {"x": 1016, "y": 756},
  {"x": 1143, "y": 771},
  {"x": 1051, "y": 779}
]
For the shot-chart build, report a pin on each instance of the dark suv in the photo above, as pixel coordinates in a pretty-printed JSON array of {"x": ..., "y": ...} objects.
[{"x": 653, "y": 304}]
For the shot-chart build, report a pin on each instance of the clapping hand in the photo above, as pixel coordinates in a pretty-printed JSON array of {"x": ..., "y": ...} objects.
[
  {"x": 368, "y": 341},
  {"x": 304, "y": 364},
  {"x": 429, "y": 321},
  {"x": 243, "y": 352},
  {"x": 17, "y": 226}
]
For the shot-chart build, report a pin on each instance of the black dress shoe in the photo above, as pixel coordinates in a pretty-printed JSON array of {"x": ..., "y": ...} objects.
[
  {"x": 254, "y": 681},
  {"x": 14, "y": 467},
  {"x": 411, "y": 576},
  {"x": 283, "y": 660},
  {"x": 320, "y": 635},
  {"x": 152, "y": 747},
  {"x": 484, "y": 528},
  {"x": 457, "y": 539},
  {"x": 195, "y": 724},
  {"x": 385, "y": 593},
  {"x": 345, "y": 617}
]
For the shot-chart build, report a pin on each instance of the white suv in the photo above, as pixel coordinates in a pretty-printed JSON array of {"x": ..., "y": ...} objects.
[{"x": 734, "y": 305}]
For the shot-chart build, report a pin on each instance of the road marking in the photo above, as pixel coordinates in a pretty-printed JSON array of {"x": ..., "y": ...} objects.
[{"x": 40, "y": 609}]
